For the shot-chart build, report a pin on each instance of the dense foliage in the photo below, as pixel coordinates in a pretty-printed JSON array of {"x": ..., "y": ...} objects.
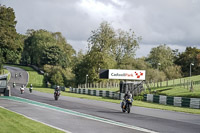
[
  {"x": 107, "y": 49},
  {"x": 11, "y": 43},
  {"x": 191, "y": 55}
]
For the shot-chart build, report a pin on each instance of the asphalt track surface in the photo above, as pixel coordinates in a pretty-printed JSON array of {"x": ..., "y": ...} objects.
[{"x": 84, "y": 116}]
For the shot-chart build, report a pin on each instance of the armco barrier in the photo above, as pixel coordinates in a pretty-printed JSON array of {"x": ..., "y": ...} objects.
[
  {"x": 175, "y": 101},
  {"x": 101, "y": 93}
]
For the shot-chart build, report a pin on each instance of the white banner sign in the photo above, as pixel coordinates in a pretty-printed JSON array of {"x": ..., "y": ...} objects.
[{"x": 126, "y": 74}]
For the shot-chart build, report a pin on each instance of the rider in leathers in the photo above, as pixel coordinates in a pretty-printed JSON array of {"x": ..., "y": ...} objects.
[
  {"x": 57, "y": 89},
  {"x": 127, "y": 95}
]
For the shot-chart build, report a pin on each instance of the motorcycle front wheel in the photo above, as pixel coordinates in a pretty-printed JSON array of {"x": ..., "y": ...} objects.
[
  {"x": 128, "y": 109},
  {"x": 56, "y": 97}
]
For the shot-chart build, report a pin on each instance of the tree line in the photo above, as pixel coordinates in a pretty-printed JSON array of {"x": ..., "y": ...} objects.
[{"x": 108, "y": 48}]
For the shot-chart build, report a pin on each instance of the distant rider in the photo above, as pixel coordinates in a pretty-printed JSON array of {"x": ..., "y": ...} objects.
[
  {"x": 30, "y": 89},
  {"x": 22, "y": 88},
  {"x": 14, "y": 84}
]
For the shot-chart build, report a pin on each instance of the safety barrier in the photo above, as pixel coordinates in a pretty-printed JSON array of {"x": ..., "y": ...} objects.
[
  {"x": 175, "y": 101},
  {"x": 109, "y": 94}
]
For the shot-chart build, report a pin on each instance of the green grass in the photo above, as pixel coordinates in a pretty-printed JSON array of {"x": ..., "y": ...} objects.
[
  {"x": 177, "y": 81},
  {"x": 182, "y": 92},
  {"x": 178, "y": 88},
  {"x": 11, "y": 122},
  {"x": 7, "y": 72}
]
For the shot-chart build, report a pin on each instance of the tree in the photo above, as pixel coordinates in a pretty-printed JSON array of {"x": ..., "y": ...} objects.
[
  {"x": 127, "y": 44},
  {"x": 43, "y": 47},
  {"x": 102, "y": 39},
  {"x": 191, "y": 55},
  {"x": 67, "y": 51},
  {"x": 36, "y": 42},
  {"x": 57, "y": 79},
  {"x": 1, "y": 60},
  {"x": 53, "y": 55},
  {"x": 172, "y": 72},
  {"x": 11, "y": 43},
  {"x": 107, "y": 49},
  {"x": 155, "y": 75},
  {"x": 160, "y": 57}
]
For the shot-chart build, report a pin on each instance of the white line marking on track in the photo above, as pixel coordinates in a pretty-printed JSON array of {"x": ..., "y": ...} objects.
[{"x": 75, "y": 113}]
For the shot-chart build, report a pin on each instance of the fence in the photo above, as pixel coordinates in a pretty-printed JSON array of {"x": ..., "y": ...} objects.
[
  {"x": 170, "y": 83},
  {"x": 100, "y": 85},
  {"x": 175, "y": 101},
  {"x": 101, "y": 93}
]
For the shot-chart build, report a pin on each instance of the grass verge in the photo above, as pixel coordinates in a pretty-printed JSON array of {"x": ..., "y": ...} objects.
[
  {"x": 7, "y": 72},
  {"x": 178, "y": 88},
  {"x": 11, "y": 122}
]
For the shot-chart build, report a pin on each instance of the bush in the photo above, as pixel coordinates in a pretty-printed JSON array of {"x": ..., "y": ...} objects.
[{"x": 57, "y": 79}]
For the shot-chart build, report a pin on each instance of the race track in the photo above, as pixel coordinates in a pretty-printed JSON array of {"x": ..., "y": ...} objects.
[{"x": 83, "y": 116}]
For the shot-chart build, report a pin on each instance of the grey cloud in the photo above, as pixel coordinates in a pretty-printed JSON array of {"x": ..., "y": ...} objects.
[
  {"x": 174, "y": 22},
  {"x": 168, "y": 21}
]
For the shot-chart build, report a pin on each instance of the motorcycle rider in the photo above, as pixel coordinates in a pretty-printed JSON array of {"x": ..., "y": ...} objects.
[
  {"x": 31, "y": 87},
  {"x": 127, "y": 96},
  {"x": 22, "y": 89},
  {"x": 57, "y": 90},
  {"x": 14, "y": 84}
]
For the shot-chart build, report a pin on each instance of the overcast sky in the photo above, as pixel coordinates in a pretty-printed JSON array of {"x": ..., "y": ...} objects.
[{"x": 172, "y": 22}]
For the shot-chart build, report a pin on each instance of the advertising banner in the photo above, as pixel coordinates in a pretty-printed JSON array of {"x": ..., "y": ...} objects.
[{"x": 126, "y": 74}]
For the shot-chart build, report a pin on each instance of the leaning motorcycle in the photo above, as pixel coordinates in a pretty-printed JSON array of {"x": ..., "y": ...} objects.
[
  {"x": 126, "y": 105},
  {"x": 56, "y": 95}
]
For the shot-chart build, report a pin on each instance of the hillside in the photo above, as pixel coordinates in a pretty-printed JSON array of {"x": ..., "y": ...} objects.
[{"x": 183, "y": 87}]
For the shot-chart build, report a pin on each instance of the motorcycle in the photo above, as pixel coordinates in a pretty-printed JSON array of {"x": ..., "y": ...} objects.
[
  {"x": 56, "y": 95},
  {"x": 30, "y": 89},
  {"x": 14, "y": 85},
  {"x": 22, "y": 90},
  {"x": 126, "y": 105}
]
